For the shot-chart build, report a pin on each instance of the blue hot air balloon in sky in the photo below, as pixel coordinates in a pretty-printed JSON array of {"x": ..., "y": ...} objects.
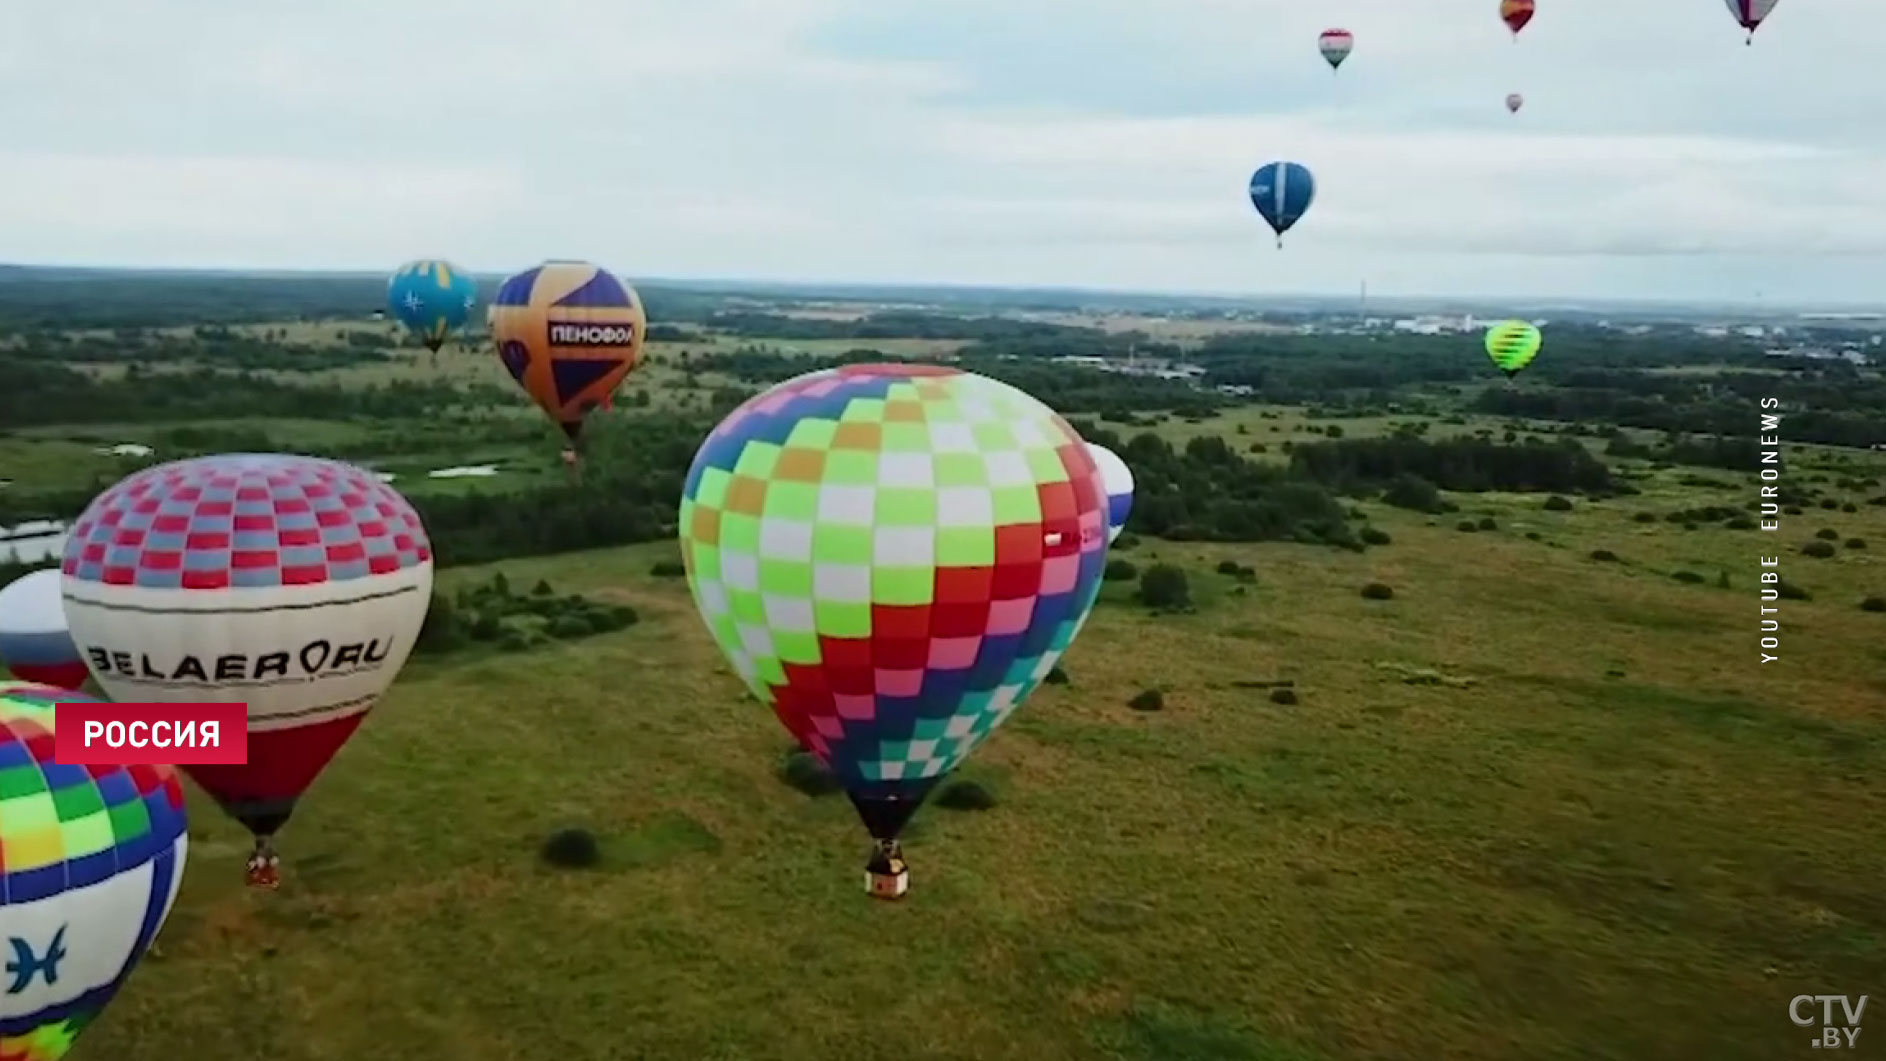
[
  {"x": 433, "y": 298},
  {"x": 1282, "y": 191}
]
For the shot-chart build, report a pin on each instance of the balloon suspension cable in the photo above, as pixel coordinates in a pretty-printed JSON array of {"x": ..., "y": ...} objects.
[
  {"x": 887, "y": 875},
  {"x": 265, "y": 866}
]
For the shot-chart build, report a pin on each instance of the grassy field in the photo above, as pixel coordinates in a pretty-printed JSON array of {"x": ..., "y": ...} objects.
[
  {"x": 1537, "y": 805},
  {"x": 1534, "y": 806}
]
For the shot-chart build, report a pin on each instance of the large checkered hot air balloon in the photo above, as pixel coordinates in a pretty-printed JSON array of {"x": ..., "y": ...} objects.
[
  {"x": 892, "y": 557},
  {"x": 291, "y": 584},
  {"x": 34, "y": 639},
  {"x": 90, "y": 860},
  {"x": 569, "y": 333}
]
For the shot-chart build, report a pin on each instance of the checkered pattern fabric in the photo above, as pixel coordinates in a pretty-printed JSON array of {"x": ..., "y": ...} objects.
[
  {"x": 893, "y": 557},
  {"x": 65, "y": 828},
  {"x": 244, "y": 520}
]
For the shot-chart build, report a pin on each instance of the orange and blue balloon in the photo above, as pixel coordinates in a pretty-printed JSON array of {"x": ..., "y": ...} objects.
[
  {"x": 569, "y": 333},
  {"x": 432, "y": 298}
]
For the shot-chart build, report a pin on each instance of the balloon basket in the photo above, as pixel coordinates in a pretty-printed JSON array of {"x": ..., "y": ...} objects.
[
  {"x": 264, "y": 869},
  {"x": 887, "y": 875}
]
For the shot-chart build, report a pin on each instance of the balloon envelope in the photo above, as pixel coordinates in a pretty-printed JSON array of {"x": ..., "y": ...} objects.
[
  {"x": 1514, "y": 102},
  {"x": 1512, "y": 345},
  {"x": 569, "y": 333},
  {"x": 1516, "y": 13},
  {"x": 892, "y": 557},
  {"x": 291, "y": 584},
  {"x": 1750, "y": 13},
  {"x": 432, "y": 298},
  {"x": 90, "y": 860},
  {"x": 1281, "y": 192},
  {"x": 1117, "y": 480},
  {"x": 1336, "y": 44},
  {"x": 34, "y": 639}
]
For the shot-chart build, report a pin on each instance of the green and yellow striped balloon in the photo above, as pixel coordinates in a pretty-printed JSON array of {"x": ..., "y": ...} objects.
[{"x": 1512, "y": 345}]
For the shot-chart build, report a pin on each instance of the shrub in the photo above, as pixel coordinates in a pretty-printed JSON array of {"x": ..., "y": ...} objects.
[
  {"x": 965, "y": 795},
  {"x": 1487, "y": 524},
  {"x": 1165, "y": 586},
  {"x": 542, "y": 589},
  {"x": 1827, "y": 534},
  {"x": 1148, "y": 700},
  {"x": 1873, "y": 604},
  {"x": 1126, "y": 540},
  {"x": 571, "y": 849},
  {"x": 1740, "y": 523},
  {"x": 803, "y": 771},
  {"x": 1604, "y": 556},
  {"x": 1378, "y": 591},
  {"x": 668, "y": 569},
  {"x": 513, "y": 640},
  {"x": 1829, "y": 503},
  {"x": 1856, "y": 543},
  {"x": 569, "y": 625},
  {"x": 1056, "y": 676},
  {"x": 1849, "y": 507},
  {"x": 1789, "y": 591},
  {"x": 1121, "y": 571},
  {"x": 1533, "y": 536},
  {"x": 1645, "y": 517},
  {"x": 1792, "y": 510},
  {"x": 1413, "y": 492},
  {"x": 487, "y": 626},
  {"x": 1555, "y": 503},
  {"x": 1228, "y": 567},
  {"x": 1818, "y": 550},
  {"x": 1722, "y": 580},
  {"x": 1283, "y": 696},
  {"x": 1467, "y": 525},
  {"x": 1375, "y": 536},
  {"x": 1690, "y": 577}
]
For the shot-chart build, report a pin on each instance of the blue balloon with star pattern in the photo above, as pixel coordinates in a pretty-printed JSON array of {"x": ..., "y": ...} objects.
[{"x": 433, "y": 298}]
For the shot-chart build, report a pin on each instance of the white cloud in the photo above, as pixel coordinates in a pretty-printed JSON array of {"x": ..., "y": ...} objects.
[{"x": 1059, "y": 142}]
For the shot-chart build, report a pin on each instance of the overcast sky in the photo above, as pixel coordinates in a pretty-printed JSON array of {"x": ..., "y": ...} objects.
[{"x": 1090, "y": 143}]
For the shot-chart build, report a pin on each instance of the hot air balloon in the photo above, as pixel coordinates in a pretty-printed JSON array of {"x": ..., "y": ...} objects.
[
  {"x": 34, "y": 640},
  {"x": 1516, "y": 13},
  {"x": 433, "y": 298},
  {"x": 1336, "y": 44},
  {"x": 1116, "y": 479},
  {"x": 1514, "y": 101},
  {"x": 569, "y": 333},
  {"x": 90, "y": 860},
  {"x": 1282, "y": 191},
  {"x": 892, "y": 557},
  {"x": 291, "y": 584},
  {"x": 1750, "y": 13},
  {"x": 1512, "y": 345}
]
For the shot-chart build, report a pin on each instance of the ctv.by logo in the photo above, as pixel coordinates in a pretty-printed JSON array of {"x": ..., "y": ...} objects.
[{"x": 1832, "y": 1035}]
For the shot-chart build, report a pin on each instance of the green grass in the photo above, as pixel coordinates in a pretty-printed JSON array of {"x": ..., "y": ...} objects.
[{"x": 1610, "y": 833}]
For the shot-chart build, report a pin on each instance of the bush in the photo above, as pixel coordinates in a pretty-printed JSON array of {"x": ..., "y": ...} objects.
[
  {"x": 513, "y": 640},
  {"x": 1849, "y": 507},
  {"x": 965, "y": 795},
  {"x": 1056, "y": 676},
  {"x": 1228, "y": 567},
  {"x": 1818, "y": 550},
  {"x": 1121, "y": 571},
  {"x": 1467, "y": 525},
  {"x": 1856, "y": 543},
  {"x": 1165, "y": 586},
  {"x": 1792, "y": 510},
  {"x": 1604, "y": 556},
  {"x": 1827, "y": 534},
  {"x": 1722, "y": 580},
  {"x": 1374, "y": 536},
  {"x": 668, "y": 569},
  {"x": 1789, "y": 591},
  {"x": 569, "y": 625},
  {"x": 1740, "y": 523},
  {"x": 1148, "y": 700},
  {"x": 803, "y": 771},
  {"x": 542, "y": 589},
  {"x": 571, "y": 849},
  {"x": 1378, "y": 591},
  {"x": 1690, "y": 577},
  {"x": 1645, "y": 517},
  {"x": 487, "y": 626},
  {"x": 1873, "y": 604},
  {"x": 1829, "y": 503},
  {"x": 1555, "y": 503},
  {"x": 1283, "y": 696},
  {"x": 1126, "y": 540},
  {"x": 1487, "y": 524},
  {"x": 1413, "y": 492},
  {"x": 1534, "y": 536}
]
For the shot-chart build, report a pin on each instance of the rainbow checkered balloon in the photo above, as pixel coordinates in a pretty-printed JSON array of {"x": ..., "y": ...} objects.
[
  {"x": 90, "y": 860},
  {"x": 892, "y": 557}
]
